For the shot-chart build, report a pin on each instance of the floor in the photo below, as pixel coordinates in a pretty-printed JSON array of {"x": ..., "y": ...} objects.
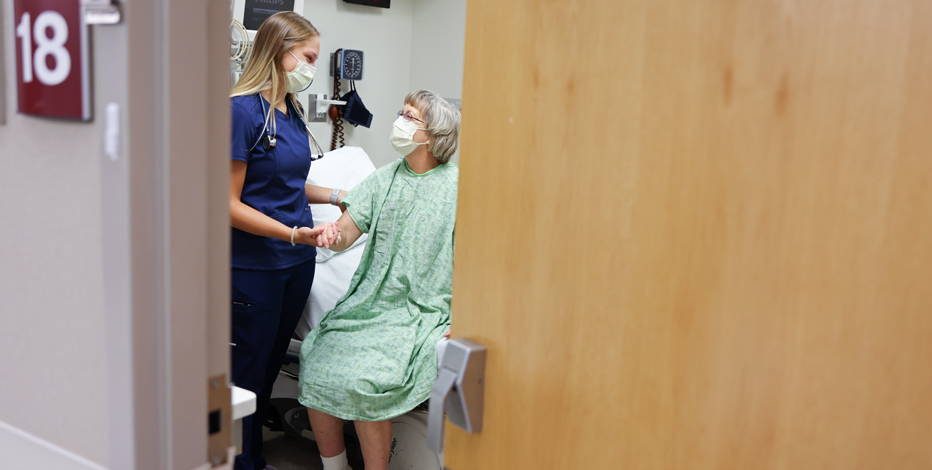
[{"x": 292, "y": 453}]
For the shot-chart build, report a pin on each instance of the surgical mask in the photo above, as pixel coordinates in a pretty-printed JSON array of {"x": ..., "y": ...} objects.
[
  {"x": 403, "y": 136},
  {"x": 301, "y": 77}
]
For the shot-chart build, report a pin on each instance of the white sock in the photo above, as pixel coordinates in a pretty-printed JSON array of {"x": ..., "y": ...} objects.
[{"x": 338, "y": 462}]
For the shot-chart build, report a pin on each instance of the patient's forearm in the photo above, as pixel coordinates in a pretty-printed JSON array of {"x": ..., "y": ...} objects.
[{"x": 349, "y": 233}]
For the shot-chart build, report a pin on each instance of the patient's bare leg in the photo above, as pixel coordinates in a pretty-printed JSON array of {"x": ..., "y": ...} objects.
[
  {"x": 375, "y": 437},
  {"x": 328, "y": 432}
]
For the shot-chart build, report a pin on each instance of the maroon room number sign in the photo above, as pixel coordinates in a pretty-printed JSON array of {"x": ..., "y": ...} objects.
[{"x": 52, "y": 70}]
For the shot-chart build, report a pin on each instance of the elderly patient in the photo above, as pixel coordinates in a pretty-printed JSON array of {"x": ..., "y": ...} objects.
[{"x": 373, "y": 357}]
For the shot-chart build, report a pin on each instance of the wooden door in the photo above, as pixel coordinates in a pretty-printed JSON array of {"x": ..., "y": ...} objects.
[{"x": 698, "y": 235}]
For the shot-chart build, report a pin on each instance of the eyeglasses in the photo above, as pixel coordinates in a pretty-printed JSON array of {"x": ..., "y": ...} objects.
[{"x": 408, "y": 117}]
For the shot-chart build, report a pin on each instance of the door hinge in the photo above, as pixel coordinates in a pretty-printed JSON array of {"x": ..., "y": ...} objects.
[{"x": 219, "y": 420}]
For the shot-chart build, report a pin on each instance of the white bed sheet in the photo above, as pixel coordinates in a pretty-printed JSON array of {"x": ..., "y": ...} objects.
[{"x": 342, "y": 168}]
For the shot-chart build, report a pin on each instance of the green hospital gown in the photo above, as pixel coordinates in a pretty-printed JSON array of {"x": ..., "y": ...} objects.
[{"x": 373, "y": 357}]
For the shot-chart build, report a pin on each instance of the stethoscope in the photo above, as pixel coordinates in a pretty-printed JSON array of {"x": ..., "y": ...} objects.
[{"x": 269, "y": 141}]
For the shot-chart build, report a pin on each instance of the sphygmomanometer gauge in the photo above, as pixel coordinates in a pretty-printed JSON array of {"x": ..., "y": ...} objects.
[{"x": 351, "y": 65}]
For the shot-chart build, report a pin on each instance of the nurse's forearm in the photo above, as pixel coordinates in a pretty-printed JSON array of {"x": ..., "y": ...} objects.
[
  {"x": 247, "y": 219},
  {"x": 320, "y": 194},
  {"x": 252, "y": 221}
]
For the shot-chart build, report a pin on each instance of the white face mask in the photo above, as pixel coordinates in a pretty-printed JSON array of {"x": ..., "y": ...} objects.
[
  {"x": 403, "y": 136},
  {"x": 301, "y": 77}
]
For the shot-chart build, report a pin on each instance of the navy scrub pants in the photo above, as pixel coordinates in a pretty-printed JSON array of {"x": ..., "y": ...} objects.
[{"x": 266, "y": 308}]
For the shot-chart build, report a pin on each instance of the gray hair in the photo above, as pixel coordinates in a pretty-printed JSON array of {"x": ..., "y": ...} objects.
[{"x": 442, "y": 121}]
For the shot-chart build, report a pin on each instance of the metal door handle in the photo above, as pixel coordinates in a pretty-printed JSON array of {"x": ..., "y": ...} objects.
[
  {"x": 460, "y": 389},
  {"x": 101, "y": 11}
]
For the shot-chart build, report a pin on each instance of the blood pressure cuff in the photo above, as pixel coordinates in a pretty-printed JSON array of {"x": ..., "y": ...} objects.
[{"x": 355, "y": 112}]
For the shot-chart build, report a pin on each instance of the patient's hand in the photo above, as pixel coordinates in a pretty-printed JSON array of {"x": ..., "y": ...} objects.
[
  {"x": 329, "y": 235},
  {"x": 338, "y": 237},
  {"x": 347, "y": 233}
]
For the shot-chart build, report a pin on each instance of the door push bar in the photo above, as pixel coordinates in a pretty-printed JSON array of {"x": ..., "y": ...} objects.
[{"x": 460, "y": 389}]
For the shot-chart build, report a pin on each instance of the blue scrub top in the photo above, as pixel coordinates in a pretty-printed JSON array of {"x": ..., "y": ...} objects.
[{"x": 274, "y": 183}]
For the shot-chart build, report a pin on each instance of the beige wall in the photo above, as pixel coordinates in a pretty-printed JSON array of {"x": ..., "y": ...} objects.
[
  {"x": 52, "y": 322},
  {"x": 437, "y": 48},
  {"x": 438, "y": 43}
]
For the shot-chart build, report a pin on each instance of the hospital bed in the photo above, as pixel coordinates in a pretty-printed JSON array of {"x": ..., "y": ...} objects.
[{"x": 342, "y": 168}]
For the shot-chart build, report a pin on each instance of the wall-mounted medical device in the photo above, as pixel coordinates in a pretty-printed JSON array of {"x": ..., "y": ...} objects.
[
  {"x": 372, "y": 3},
  {"x": 253, "y": 12},
  {"x": 318, "y": 104},
  {"x": 459, "y": 389},
  {"x": 346, "y": 64}
]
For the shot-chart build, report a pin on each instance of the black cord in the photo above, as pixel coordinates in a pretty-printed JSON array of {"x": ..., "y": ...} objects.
[{"x": 338, "y": 119}]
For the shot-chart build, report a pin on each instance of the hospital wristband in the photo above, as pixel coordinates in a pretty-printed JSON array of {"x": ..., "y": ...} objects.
[
  {"x": 334, "y": 196},
  {"x": 295, "y": 229}
]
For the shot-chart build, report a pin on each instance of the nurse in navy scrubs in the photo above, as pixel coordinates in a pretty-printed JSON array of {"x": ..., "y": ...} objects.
[{"x": 273, "y": 235}]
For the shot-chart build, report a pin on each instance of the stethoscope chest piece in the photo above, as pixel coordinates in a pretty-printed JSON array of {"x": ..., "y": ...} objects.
[{"x": 269, "y": 141}]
